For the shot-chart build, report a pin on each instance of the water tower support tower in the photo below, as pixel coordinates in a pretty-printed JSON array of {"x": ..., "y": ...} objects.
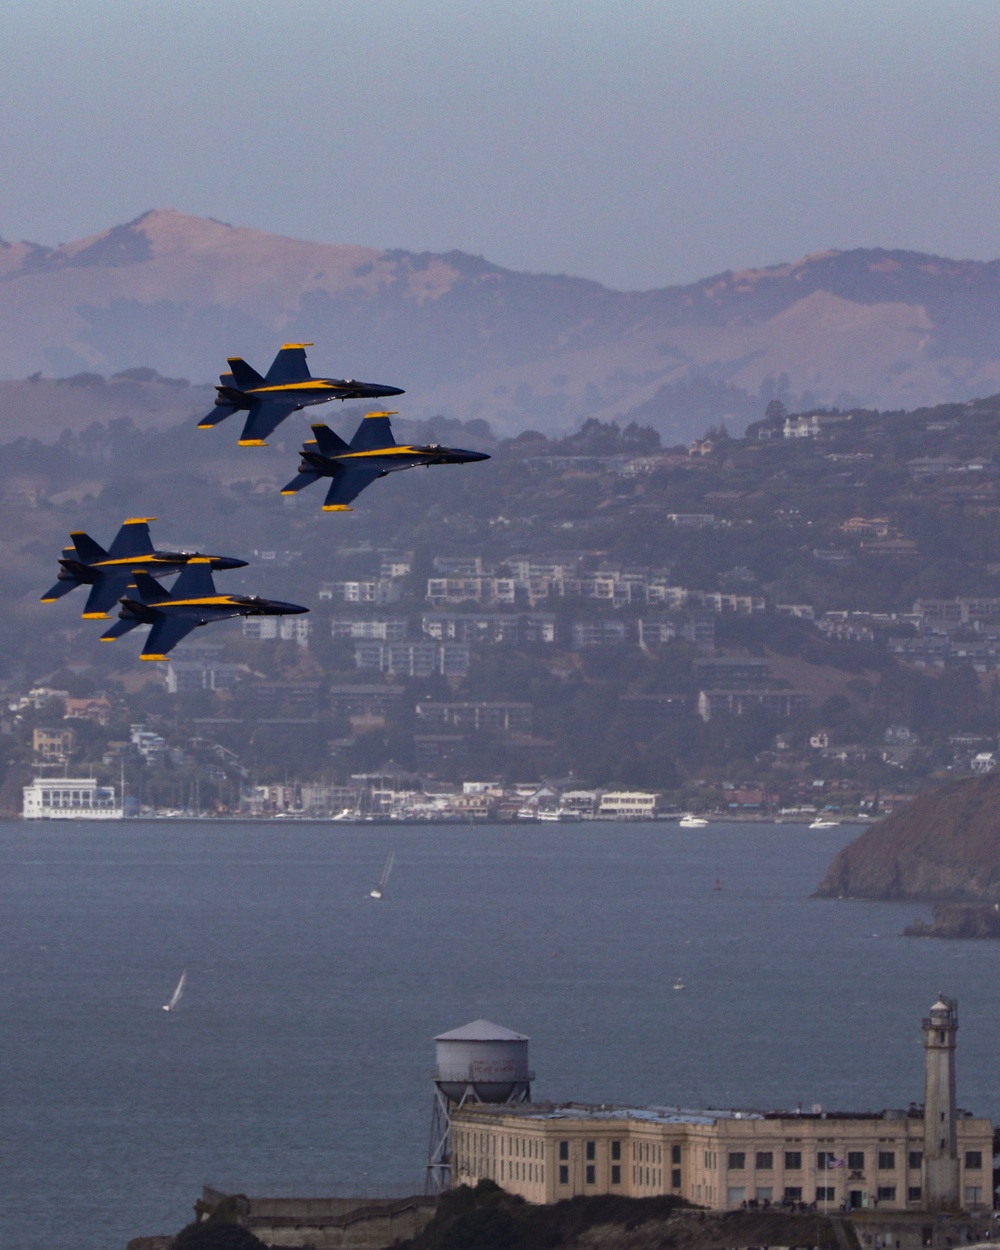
[{"x": 480, "y": 1062}]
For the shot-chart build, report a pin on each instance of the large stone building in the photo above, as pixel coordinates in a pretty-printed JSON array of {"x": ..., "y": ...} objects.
[{"x": 896, "y": 1160}]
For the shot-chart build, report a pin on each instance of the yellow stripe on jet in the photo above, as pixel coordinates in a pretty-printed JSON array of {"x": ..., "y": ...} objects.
[
  {"x": 145, "y": 657},
  {"x": 336, "y": 507},
  {"x": 379, "y": 451},
  {"x": 314, "y": 384}
]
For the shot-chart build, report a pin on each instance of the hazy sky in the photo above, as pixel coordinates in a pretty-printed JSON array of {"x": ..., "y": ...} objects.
[{"x": 637, "y": 142}]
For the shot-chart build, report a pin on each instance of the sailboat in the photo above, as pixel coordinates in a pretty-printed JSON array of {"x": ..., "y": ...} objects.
[
  {"x": 383, "y": 880},
  {"x": 679, "y": 984},
  {"x": 178, "y": 993}
]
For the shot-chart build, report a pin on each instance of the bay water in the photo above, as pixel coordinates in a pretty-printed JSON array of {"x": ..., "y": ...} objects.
[{"x": 299, "y": 1060}]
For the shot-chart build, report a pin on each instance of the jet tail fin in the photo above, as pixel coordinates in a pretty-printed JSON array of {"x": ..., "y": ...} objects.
[
  {"x": 244, "y": 375},
  {"x": 327, "y": 442},
  {"x": 148, "y": 589},
  {"x": 195, "y": 581},
  {"x": 374, "y": 432},
  {"x": 132, "y": 539},
  {"x": 289, "y": 365},
  {"x": 88, "y": 551}
]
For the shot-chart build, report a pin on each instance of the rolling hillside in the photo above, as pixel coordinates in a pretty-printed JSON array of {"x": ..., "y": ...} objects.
[{"x": 469, "y": 339}]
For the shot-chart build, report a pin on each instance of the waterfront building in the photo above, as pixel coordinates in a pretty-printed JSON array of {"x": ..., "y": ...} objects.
[
  {"x": 717, "y": 1159},
  {"x": 70, "y": 798},
  {"x": 930, "y": 1157},
  {"x": 627, "y": 805}
]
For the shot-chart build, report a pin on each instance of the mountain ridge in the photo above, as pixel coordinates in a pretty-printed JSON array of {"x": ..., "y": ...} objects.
[{"x": 467, "y": 338}]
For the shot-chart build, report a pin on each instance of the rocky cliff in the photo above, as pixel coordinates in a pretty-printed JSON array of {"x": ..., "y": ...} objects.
[{"x": 944, "y": 845}]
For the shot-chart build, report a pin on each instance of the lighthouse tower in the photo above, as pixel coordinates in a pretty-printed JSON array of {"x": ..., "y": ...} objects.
[{"x": 940, "y": 1142}]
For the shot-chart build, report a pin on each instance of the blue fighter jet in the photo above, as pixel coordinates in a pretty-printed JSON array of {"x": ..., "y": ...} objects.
[
  {"x": 372, "y": 453},
  {"x": 192, "y": 601},
  {"x": 108, "y": 573},
  {"x": 287, "y": 387}
]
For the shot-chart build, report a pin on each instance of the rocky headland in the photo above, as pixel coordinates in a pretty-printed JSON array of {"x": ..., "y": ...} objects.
[
  {"x": 959, "y": 920},
  {"x": 942, "y": 847}
]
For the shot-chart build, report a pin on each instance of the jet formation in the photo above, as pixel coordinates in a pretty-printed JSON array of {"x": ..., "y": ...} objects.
[
  {"x": 123, "y": 572},
  {"x": 372, "y": 453},
  {"x": 285, "y": 388}
]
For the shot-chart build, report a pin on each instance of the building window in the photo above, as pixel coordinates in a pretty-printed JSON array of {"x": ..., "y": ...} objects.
[
  {"x": 675, "y": 1154},
  {"x": 591, "y": 1174},
  {"x": 737, "y": 1161},
  {"x": 974, "y": 1159},
  {"x": 564, "y": 1150},
  {"x": 675, "y": 1178},
  {"x": 856, "y": 1160},
  {"x": 564, "y": 1175},
  {"x": 825, "y": 1193},
  {"x": 915, "y": 1159},
  {"x": 886, "y": 1193},
  {"x": 763, "y": 1193},
  {"x": 886, "y": 1160},
  {"x": 793, "y": 1163},
  {"x": 825, "y": 1159},
  {"x": 591, "y": 1150},
  {"x": 765, "y": 1160},
  {"x": 793, "y": 1193},
  {"x": 914, "y": 1193},
  {"x": 616, "y": 1174},
  {"x": 736, "y": 1195},
  {"x": 973, "y": 1195},
  {"x": 616, "y": 1150}
]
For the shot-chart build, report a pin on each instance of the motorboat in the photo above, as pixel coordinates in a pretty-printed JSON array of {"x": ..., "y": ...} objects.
[{"x": 690, "y": 821}]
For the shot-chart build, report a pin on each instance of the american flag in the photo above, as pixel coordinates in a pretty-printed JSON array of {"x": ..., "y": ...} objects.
[{"x": 836, "y": 1163}]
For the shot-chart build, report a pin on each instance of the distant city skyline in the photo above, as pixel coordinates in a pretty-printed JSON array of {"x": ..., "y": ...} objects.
[{"x": 638, "y": 147}]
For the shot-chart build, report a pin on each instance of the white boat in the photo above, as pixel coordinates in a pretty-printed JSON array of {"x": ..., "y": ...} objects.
[
  {"x": 679, "y": 984},
  {"x": 820, "y": 823},
  {"x": 177, "y": 995},
  {"x": 690, "y": 821},
  {"x": 383, "y": 880}
]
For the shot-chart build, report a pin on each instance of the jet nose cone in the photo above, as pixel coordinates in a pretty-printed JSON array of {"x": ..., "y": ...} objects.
[
  {"x": 228, "y": 562},
  {"x": 477, "y": 455},
  {"x": 386, "y": 390},
  {"x": 287, "y": 609}
]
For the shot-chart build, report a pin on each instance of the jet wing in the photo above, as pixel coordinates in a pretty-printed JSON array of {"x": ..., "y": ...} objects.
[
  {"x": 348, "y": 483},
  {"x": 106, "y": 592},
  {"x": 167, "y": 632},
  {"x": 265, "y": 416}
]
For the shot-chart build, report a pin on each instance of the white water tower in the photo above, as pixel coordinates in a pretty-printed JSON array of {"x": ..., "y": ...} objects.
[{"x": 480, "y": 1062}]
